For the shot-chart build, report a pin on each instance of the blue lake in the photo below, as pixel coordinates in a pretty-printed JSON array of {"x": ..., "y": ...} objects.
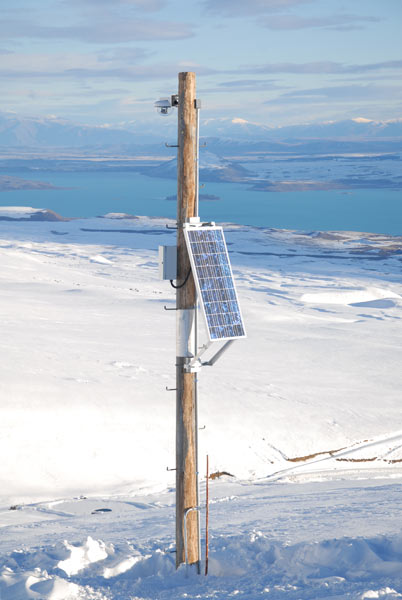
[{"x": 92, "y": 194}]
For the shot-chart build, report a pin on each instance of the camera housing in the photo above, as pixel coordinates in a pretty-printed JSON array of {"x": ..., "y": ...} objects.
[{"x": 164, "y": 105}]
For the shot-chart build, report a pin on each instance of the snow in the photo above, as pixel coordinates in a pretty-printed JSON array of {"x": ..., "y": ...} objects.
[
  {"x": 304, "y": 413},
  {"x": 240, "y": 121},
  {"x": 362, "y": 120},
  {"x": 18, "y": 212},
  {"x": 291, "y": 554},
  {"x": 82, "y": 556},
  {"x": 100, "y": 259},
  {"x": 359, "y": 296},
  {"x": 114, "y": 215}
]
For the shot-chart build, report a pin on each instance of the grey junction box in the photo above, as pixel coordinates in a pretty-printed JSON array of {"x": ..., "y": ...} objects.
[{"x": 168, "y": 262}]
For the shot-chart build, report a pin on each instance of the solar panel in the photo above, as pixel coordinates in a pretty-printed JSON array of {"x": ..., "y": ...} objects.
[{"x": 214, "y": 280}]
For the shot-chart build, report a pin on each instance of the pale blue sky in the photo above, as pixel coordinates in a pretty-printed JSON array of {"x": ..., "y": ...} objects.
[{"x": 275, "y": 62}]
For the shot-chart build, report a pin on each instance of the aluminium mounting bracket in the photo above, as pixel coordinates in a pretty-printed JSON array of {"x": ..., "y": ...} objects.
[{"x": 195, "y": 364}]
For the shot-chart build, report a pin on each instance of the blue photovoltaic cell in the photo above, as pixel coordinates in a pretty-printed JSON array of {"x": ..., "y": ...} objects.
[{"x": 213, "y": 276}]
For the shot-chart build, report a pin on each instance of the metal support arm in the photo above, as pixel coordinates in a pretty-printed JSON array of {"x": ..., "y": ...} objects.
[
  {"x": 194, "y": 365},
  {"x": 218, "y": 354}
]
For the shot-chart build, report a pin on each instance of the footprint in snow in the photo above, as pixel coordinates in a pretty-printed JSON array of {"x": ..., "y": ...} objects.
[{"x": 119, "y": 364}]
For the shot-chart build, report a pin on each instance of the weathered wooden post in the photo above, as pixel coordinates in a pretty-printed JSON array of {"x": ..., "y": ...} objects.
[{"x": 187, "y": 527}]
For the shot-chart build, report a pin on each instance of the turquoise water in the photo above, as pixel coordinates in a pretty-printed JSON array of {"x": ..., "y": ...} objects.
[{"x": 92, "y": 194}]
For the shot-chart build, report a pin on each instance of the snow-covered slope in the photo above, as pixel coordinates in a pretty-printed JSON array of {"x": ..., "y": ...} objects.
[
  {"x": 88, "y": 351},
  {"x": 313, "y": 394}
]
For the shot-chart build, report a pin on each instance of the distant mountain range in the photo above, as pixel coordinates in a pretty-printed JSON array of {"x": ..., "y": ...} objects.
[
  {"x": 223, "y": 135},
  {"x": 352, "y": 129},
  {"x": 42, "y": 133}
]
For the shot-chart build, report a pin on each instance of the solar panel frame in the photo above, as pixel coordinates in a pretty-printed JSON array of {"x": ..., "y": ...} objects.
[{"x": 214, "y": 281}]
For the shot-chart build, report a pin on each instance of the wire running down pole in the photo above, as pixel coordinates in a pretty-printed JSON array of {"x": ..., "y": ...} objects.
[{"x": 207, "y": 519}]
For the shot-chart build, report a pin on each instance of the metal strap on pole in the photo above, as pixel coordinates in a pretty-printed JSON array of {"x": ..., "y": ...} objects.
[{"x": 186, "y": 513}]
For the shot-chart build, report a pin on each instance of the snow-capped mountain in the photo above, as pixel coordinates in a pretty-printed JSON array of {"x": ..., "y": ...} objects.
[
  {"x": 17, "y": 131},
  {"x": 21, "y": 132},
  {"x": 359, "y": 129}
]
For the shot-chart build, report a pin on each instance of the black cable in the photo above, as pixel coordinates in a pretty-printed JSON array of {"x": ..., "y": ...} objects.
[{"x": 176, "y": 287}]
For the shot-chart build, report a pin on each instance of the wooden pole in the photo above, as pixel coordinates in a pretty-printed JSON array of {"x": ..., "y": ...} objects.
[{"x": 186, "y": 409}]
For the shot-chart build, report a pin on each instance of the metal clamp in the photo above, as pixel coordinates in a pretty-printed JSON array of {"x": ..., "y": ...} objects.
[
  {"x": 186, "y": 513},
  {"x": 194, "y": 364}
]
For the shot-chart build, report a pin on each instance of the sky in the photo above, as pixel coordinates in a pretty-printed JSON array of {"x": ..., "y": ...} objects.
[{"x": 274, "y": 62}]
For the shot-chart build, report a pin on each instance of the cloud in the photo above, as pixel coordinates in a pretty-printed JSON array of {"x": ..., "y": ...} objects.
[
  {"x": 145, "y": 5},
  {"x": 335, "y": 22},
  {"x": 267, "y": 10},
  {"x": 240, "y": 8},
  {"x": 115, "y": 29},
  {"x": 123, "y": 64},
  {"x": 320, "y": 67},
  {"x": 132, "y": 73},
  {"x": 366, "y": 77},
  {"x": 389, "y": 64},
  {"x": 244, "y": 85},
  {"x": 49, "y": 64},
  {"x": 117, "y": 55},
  {"x": 28, "y": 93},
  {"x": 338, "y": 94}
]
